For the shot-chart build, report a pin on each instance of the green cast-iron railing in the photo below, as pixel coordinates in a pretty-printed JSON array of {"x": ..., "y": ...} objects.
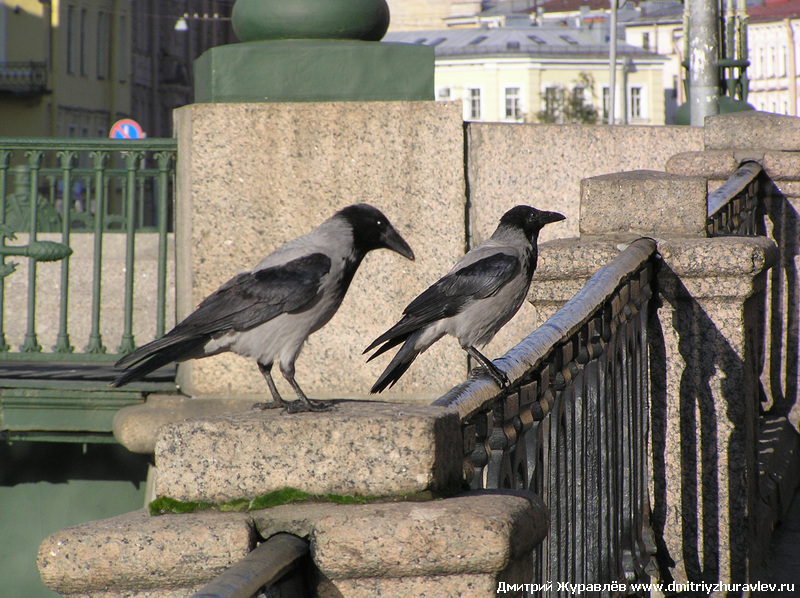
[
  {"x": 573, "y": 427},
  {"x": 59, "y": 197}
]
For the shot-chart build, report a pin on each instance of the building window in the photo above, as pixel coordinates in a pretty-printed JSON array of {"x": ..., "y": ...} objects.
[
  {"x": 103, "y": 36},
  {"x": 473, "y": 104},
  {"x": 444, "y": 93},
  {"x": 83, "y": 39},
  {"x": 606, "y": 103},
  {"x": 645, "y": 41},
  {"x": 770, "y": 72},
  {"x": 123, "y": 50},
  {"x": 636, "y": 103},
  {"x": 513, "y": 104},
  {"x": 72, "y": 38},
  {"x": 552, "y": 104}
]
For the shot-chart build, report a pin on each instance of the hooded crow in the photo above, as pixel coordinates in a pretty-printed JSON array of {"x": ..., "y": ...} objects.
[
  {"x": 270, "y": 311},
  {"x": 473, "y": 301}
]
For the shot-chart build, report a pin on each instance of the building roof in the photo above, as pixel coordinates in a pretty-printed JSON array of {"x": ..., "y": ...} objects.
[
  {"x": 541, "y": 41},
  {"x": 573, "y": 5},
  {"x": 773, "y": 10}
]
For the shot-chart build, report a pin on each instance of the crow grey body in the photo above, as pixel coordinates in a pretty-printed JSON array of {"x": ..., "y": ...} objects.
[
  {"x": 269, "y": 312},
  {"x": 474, "y": 300}
]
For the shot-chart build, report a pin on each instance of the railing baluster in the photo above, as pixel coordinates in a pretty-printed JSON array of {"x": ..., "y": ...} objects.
[
  {"x": 30, "y": 344},
  {"x": 131, "y": 161},
  {"x": 99, "y": 162},
  {"x": 64, "y": 187},
  {"x": 5, "y": 269},
  {"x": 66, "y": 158},
  {"x": 163, "y": 159}
]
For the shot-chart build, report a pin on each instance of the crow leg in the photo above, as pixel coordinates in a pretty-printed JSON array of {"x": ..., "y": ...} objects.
[
  {"x": 277, "y": 400},
  {"x": 303, "y": 403},
  {"x": 499, "y": 377}
]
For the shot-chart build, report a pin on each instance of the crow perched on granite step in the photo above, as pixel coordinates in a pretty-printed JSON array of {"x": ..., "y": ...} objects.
[
  {"x": 269, "y": 312},
  {"x": 473, "y": 301}
]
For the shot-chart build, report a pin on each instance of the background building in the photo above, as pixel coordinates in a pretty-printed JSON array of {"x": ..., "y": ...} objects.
[
  {"x": 73, "y": 68},
  {"x": 65, "y": 67},
  {"x": 529, "y": 74},
  {"x": 773, "y": 34}
]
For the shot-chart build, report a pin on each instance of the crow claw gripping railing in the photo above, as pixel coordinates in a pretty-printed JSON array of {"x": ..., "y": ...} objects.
[{"x": 573, "y": 427}]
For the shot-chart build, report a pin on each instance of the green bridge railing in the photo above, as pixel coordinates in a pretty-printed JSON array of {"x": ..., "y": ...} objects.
[{"x": 86, "y": 206}]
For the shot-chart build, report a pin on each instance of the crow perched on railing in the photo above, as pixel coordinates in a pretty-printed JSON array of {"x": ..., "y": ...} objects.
[
  {"x": 474, "y": 300},
  {"x": 269, "y": 312}
]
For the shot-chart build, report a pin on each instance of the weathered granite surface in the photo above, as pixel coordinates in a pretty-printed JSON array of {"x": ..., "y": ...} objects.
[
  {"x": 645, "y": 202},
  {"x": 543, "y": 165},
  {"x": 428, "y": 538},
  {"x": 136, "y": 427},
  {"x": 703, "y": 376},
  {"x": 466, "y": 544},
  {"x": 772, "y": 141},
  {"x": 134, "y": 554},
  {"x": 752, "y": 129},
  {"x": 717, "y": 165},
  {"x": 364, "y": 448},
  {"x": 252, "y": 176}
]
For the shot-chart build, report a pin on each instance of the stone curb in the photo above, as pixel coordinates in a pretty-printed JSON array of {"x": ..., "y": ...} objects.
[
  {"x": 138, "y": 552},
  {"x": 361, "y": 448}
]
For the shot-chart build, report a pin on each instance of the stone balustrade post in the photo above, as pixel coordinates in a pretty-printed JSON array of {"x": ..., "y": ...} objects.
[{"x": 706, "y": 356}]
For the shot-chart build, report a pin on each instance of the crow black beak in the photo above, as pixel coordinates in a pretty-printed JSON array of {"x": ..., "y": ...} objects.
[
  {"x": 549, "y": 217},
  {"x": 392, "y": 240}
]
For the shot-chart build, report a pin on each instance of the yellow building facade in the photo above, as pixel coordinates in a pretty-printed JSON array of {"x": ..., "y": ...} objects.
[{"x": 65, "y": 67}]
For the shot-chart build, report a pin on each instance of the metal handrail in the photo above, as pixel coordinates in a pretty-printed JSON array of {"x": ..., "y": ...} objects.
[
  {"x": 264, "y": 566},
  {"x": 474, "y": 394},
  {"x": 732, "y": 207}
]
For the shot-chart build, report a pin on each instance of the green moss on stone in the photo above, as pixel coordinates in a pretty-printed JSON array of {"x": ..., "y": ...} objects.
[{"x": 165, "y": 504}]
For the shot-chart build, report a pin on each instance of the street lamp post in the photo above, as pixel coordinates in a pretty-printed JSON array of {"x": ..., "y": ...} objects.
[{"x": 703, "y": 60}]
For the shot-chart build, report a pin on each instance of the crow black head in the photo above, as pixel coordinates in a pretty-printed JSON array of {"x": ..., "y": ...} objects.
[
  {"x": 372, "y": 230},
  {"x": 529, "y": 220}
]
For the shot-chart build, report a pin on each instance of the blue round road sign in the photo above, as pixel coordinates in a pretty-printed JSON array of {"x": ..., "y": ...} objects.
[{"x": 126, "y": 129}]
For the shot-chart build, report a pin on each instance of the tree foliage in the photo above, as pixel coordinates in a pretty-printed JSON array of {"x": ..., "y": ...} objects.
[{"x": 570, "y": 106}]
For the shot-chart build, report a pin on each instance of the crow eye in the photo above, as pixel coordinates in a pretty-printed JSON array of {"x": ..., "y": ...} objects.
[{"x": 379, "y": 222}]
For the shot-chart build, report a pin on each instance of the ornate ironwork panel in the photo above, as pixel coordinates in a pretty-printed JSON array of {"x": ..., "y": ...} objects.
[
  {"x": 573, "y": 427},
  {"x": 89, "y": 205},
  {"x": 733, "y": 207}
]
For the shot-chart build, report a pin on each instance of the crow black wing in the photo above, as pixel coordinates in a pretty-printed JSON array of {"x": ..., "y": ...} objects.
[
  {"x": 450, "y": 295},
  {"x": 252, "y": 298},
  {"x": 246, "y": 301}
]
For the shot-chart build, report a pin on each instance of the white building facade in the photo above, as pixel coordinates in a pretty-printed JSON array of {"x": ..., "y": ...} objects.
[{"x": 522, "y": 74}]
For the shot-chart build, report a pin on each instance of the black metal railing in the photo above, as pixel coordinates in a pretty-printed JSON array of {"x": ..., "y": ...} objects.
[
  {"x": 274, "y": 565},
  {"x": 733, "y": 207},
  {"x": 573, "y": 427}
]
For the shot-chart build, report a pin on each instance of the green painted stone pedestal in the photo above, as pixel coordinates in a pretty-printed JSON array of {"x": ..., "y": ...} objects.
[{"x": 307, "y": 70}]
